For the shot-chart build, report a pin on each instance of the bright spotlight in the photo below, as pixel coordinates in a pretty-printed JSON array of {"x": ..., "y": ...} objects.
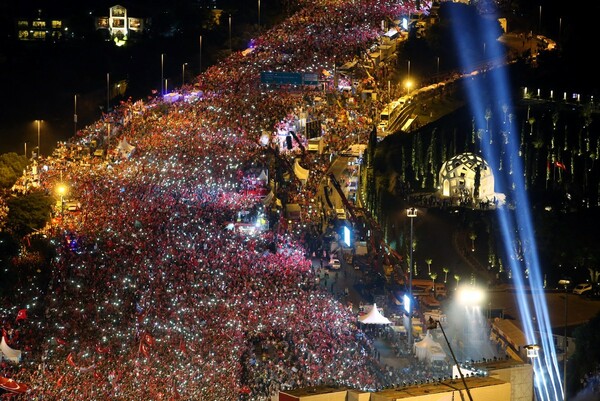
[{"x": 470, "y": 295}]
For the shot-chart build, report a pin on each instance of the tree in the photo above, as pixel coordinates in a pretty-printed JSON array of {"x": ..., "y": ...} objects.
[
  {"x": 11, "y": 168},
  {"x": 428, "y": 261},
  {"x": 473, "y": 237},
  {"x": 28, "y": 213},
  {"x": 457, "y": 278},
  {"x": 433, "y": 277},
  {"x": 445, "y": 270}
]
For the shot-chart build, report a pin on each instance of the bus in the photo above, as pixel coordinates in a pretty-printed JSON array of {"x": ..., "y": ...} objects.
[
  {"x": 389, "y": 114},
  {"x": 408, "y": 123}
]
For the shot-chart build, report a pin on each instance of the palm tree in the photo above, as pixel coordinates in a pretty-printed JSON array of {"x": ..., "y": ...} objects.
[
  {"x": 472, "y": 236},
  {"x": 457, "y": 278},
  {"x": 433, "y": 277},
  {"x": 428, "y": 261},
  {"x": 445, "y": 270}
]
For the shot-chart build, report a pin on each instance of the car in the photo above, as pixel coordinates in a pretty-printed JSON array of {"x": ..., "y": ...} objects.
[
  {"x": 582, "y": 288},
  {"x": 335, "y": 264}
]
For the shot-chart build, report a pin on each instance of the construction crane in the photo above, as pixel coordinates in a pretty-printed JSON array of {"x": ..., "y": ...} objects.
[
  {"x": 347, "y": 205},
  {"x": 376, "y": 232}
]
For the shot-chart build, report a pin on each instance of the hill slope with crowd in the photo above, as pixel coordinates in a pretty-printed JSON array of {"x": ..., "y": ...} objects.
[{"x": 151, "y": 296}]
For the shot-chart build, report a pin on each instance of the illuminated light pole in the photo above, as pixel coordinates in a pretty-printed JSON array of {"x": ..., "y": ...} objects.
[
  {"x": 408, "y": 84},
  {"x": 183, "y": 74},
  {"x": 438, "y": 65},
  {"x": 229, "y": 33},
  {"x": 75, "y": 116},
  {"x": 411, "y": 213},
  {"x": 62, "y": 190},
  {"x": 107, "y": 91},
  {"x": 162, "y": 73},
  {"x": 39, "y": 125},
  {"x": 259, "y": 14},
  {"x": 565, "y": 283},
  {"x": 559, "y": 28}
]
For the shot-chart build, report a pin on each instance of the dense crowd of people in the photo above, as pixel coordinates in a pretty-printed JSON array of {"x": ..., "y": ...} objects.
[{"x": 152, "y": 294}]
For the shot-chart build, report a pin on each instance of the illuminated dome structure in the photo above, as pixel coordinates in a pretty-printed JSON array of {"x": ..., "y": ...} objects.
[{"x": 458, "y": 175}]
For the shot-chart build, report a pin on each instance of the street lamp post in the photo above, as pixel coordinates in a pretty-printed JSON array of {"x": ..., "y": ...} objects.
[
  {"x": 75, "y": 116},
  {"x": 565, "y": 283},
  {"x": 107, "y": 91},
  {"x": 183, "y": 74},
  {"x": 229, "y": 33},
  {"x": 259, "y": 14},
  {"x": 162, "y": 73},
  {"x": 39, "y": 124},
  {"x": 62, "y": 189},
  {"x": 411, "y": 213}
]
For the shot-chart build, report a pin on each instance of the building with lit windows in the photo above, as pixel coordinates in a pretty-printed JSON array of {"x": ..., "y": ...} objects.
[
  {"x": 41, "y": 28},
  {"x": 120, "y": 25}
]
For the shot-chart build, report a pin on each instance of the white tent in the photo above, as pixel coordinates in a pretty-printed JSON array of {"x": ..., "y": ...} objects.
[
  {"x": 8, "y": 353},
  {"x": 263, "y": 176},
  {"x": 374, "y": 317},
  {"x": 429, "y": 350},
  {"x": 124, "y": 148}
]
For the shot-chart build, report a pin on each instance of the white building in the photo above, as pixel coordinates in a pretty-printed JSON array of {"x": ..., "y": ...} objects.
[
  {"x": 119, "y": 24},
  {"x": 457, "y": 178}
]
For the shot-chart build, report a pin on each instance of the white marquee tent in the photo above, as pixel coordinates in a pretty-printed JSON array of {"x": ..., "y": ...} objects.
[
  {"x": 429, "y": 350},
  {"x": 374, "y": 317}
]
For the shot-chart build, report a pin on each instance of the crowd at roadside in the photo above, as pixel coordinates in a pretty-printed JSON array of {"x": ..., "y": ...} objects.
[{"x": 151, "y": 295}]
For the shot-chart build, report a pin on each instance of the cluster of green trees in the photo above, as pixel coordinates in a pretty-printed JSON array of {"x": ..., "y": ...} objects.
[{"x": 22, "y": 215}]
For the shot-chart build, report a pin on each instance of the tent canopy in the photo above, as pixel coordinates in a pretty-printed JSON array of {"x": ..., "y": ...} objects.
[
  {"x": 429, "y": 350},
  {"x": 374, "y": 317}
]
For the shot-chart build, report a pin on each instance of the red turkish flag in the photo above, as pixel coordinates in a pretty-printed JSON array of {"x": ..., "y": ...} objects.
[
  {"x": 102, "y": 350},
  {"x": 60, "y": 380},
  {"x": 148, "y": 339},
  {"x": 145, "y": 350},
  {"x": 560, "y": 165},
  {"x": 70, "y": 360},
  {"x": 60, "y": 341},
  {"x": 21, "y": 315}
]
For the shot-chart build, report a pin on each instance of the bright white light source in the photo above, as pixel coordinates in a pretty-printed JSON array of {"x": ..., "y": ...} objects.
[{"x": 469, "y": 295}]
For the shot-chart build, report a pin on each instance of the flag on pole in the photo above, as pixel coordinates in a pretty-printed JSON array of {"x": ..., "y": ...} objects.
[{"x": 560, "y": 165}]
